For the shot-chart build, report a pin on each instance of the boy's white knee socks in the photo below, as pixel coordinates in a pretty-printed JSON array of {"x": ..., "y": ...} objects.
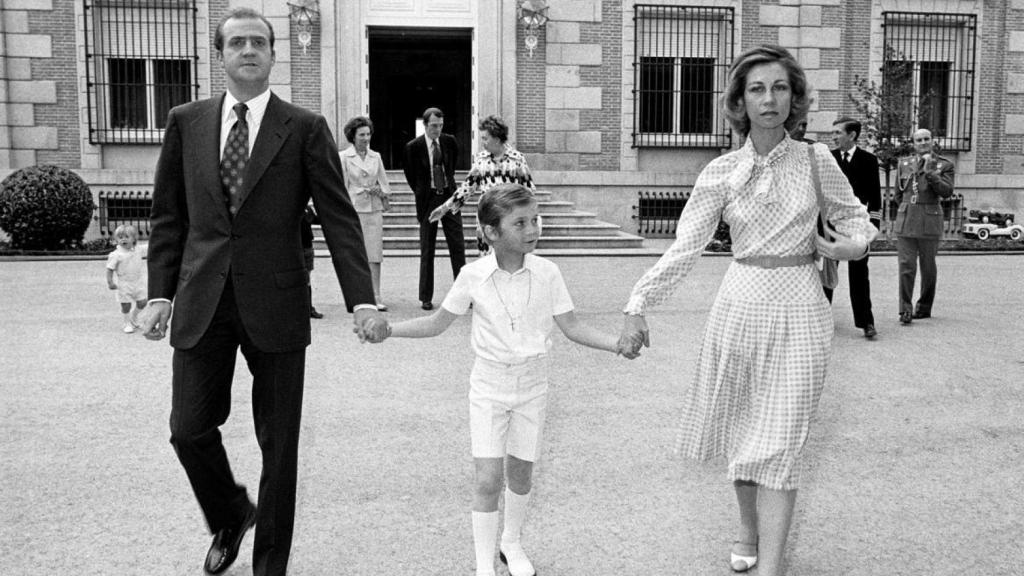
[
  {"x": 515, "y": 515},
  {"x": 485, "y": 536}
]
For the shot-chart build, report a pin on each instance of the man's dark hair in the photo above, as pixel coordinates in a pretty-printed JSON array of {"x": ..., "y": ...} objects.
[
  {"x": 241, "y": 14},
  {"x": 431, "y": 112},
  {"x": 849, "y": 125}
]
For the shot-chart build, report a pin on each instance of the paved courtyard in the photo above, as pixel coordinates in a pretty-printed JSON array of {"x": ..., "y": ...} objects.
[{"x": 914, "y": 465}]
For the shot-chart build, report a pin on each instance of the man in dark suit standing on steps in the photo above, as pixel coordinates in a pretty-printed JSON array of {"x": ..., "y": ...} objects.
[
  {"x": 226, "y": 249},
  {"x": 861, "y": 169},
  {"x": 430, "y": 172}
]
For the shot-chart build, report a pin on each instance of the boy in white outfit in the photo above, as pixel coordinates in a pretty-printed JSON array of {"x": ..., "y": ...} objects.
[{"x": 516, "y": 299}]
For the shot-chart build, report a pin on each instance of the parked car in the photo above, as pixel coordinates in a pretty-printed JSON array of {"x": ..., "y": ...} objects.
[{"x": 984, "y": 230}]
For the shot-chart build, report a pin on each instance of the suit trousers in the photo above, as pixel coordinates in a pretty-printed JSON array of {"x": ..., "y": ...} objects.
[
  {"x": 201, "y": 402},
  {"x": 453, "y": 236},
  {"x": 860, "y": 292},
  {"x": 910, "y": 251}
]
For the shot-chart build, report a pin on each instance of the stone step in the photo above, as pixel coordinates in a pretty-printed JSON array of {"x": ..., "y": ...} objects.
[
  {"x": 618, "y": 240},
  {"x": 394, "y": 218},
  {"x": 594, "y": 228},
  {"x": 545, "y": 207}
]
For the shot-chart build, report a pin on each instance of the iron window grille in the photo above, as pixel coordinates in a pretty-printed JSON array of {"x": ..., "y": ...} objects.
[
  {"x": 929, "y": 69},
  {"x": 682, "y": 56},
  {"x": 141, "y": 61}
]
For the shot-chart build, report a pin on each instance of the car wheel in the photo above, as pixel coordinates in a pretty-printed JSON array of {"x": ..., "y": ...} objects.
[
  {"x": 983, "y": 233},
  {"x": 1016, "y": 234}
]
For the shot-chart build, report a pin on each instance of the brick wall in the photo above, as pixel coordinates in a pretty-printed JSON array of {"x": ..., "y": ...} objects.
[
  {"x": 605, "y": 121},
  {"x": 62, "y": 115},
  {"x": 530, "y": 95},
  {"x": 306, "y": 76}
]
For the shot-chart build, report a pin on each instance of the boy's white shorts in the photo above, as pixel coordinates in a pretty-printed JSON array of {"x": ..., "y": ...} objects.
[
  {"x": 131, "y": 291},
  {"x": 507, "y": 405}
]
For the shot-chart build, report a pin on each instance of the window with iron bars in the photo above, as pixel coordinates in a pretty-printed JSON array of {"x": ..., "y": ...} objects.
[
  {"x": 682, "y": 55},
  {"x": 141, "y": 60},
  {"x": 929, "y": 68}
]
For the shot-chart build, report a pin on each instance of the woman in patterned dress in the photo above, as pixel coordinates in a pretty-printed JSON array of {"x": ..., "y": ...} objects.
[
  {"x": 367, "y": 185},
  {"x": 497, "y": 163},
  {"x": 768, "y": 338}
]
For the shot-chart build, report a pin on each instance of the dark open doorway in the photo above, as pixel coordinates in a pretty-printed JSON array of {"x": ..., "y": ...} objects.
[{"x": 412, "y": 69}]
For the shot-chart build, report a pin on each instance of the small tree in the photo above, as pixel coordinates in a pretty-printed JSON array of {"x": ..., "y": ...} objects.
[
  {"x": 45, "y": 208},
  {"x": 889, "y": 112}
]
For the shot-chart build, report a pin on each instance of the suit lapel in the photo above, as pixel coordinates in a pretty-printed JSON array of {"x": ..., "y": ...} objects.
[
  {"x": 206, "y": 153},
  {"x": 272, "y": 134}
]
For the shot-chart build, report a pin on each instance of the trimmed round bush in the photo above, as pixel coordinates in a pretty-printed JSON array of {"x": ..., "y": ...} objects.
[{"x": 45, "y": 208}]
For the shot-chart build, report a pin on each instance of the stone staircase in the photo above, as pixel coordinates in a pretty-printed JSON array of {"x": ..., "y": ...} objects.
[{"x": 565, "y": 229}]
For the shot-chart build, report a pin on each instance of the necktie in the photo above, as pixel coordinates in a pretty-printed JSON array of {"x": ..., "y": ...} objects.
[
  {"x": 437, "y": 167},
  {"x": 846, "y": 157},
  {"x": 236, "y": 155}
]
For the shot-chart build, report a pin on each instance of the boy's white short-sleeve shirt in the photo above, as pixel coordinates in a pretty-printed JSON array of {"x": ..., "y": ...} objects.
[
  {"x": 513, "y": 314},
  {"x": 127, "y": 263}
]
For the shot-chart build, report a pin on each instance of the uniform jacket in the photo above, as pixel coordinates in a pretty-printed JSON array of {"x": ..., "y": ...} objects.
[
  {"x": 418, "y": 170},
  {"x": 921, "y": 217},
  {"x": 195, "y": 243},
  {"x": 862, "y": 172}
]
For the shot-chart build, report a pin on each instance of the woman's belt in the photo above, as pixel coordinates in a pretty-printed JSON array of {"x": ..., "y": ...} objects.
[{"x": 776, "y": 261}]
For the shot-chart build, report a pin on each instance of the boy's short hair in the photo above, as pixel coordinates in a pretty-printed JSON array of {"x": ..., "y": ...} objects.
[
  {"x": 849, "y": 125},
  {"x": 499, "y": 201},
  {"x": 127, "y": 230}
]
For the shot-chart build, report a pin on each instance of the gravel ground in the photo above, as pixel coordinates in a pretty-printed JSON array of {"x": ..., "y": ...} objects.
[{"x": 913, "y": 466}]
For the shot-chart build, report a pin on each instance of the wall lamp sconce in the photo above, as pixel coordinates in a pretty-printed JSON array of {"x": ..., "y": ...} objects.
[
  {"x": 304, "y": 13},
  {"x": 533, "y": 14}
]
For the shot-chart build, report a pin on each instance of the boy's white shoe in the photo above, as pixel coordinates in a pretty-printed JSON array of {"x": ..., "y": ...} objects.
[
  {"x": 513, "y": 556},
  {"x": 128, "y": 328}
]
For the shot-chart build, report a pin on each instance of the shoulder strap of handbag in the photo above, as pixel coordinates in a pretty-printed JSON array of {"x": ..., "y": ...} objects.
[{"x": 817, "y": 190}]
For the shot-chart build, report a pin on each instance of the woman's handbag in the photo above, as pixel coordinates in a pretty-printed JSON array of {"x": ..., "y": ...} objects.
[{"x": 829, "y": 268}]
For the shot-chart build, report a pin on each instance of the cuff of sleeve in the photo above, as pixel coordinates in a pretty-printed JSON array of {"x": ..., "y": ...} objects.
[
  {"x": 364, "y": 307},
  {"x": 151, "y": 300},
  {"x": 635, "y": 307}
]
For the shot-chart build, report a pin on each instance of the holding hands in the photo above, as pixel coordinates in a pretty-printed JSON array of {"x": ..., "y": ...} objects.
[
  {"x": 370, "y": 325},
  {"x": 635, "y": 335},
  {"x": 843, "y": 247},
  {"x": 439, "y": 212}
]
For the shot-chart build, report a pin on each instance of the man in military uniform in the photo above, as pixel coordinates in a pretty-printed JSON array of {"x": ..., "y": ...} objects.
[{"x": 923, "y": 180}]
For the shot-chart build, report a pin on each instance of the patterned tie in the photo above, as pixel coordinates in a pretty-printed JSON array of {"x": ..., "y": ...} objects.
[
  {"x": 437, "y": 167},
  {"x": 236, "y": 155},
  {"x": 846, "y": 157}
]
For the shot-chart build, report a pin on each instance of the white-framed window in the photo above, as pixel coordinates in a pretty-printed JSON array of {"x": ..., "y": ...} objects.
[
  {"x": 141, "y": 61},
  {"x": 929, "y": 69},
  {"x": 680, "y": 67}
]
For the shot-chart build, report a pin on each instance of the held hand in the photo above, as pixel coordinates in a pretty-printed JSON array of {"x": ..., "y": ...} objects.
[
  {"x": 154, "y": 321},
  {"x": 635, "y": 331},
  {"x": 111, "y": 285},
  {"x": 371, "y": 326},
  {"x": 842, "y": 247},
  {"x": 438, "y": 213},
  {"x": 629, "y": 345}
]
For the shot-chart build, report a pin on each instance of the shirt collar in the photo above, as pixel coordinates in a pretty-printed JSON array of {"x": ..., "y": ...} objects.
[
  {"x": 490, "y": 265},
  {"x": 257, "y": 106}
]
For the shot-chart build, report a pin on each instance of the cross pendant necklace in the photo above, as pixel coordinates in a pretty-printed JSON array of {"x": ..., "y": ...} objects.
[{"x": 511, "y": 318}]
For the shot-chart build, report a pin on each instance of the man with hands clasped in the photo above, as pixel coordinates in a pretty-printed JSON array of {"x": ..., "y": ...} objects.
[
  {"x": 923, "y": 180},
  {"x": 232, "y": 183}
]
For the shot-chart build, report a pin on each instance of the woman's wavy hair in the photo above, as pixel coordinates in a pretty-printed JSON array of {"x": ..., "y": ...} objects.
[
  {"x": 732, "y": 100},
  {"x": 355, "y": 124},
  {"x": 496, "y": 127}
]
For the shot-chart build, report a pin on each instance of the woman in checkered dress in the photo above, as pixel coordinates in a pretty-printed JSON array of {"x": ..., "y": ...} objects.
[{"x": 769, "y": 333}]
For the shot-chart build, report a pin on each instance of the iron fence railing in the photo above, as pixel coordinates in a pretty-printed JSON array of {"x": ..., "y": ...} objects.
[
  {"x": 116, "y": 207},
  {"x": 657, "y": 214}
]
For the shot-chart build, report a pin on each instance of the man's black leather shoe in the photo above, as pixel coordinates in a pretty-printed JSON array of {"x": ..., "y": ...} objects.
[
  {"x": 919, "y": 314},
  {"x": 314, "y": 314},
  {"x": 226, "y": 543},
  {"x": 904, "y": 317},
  {"x": 427, "y": 306},
  {"x": 869, "y": 331}
]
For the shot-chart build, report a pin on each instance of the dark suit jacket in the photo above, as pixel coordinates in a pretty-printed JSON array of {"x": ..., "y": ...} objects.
[
  {"x": 923, "y": 218},
  {"x": 418, "y": 172},
  {"x": 195, "y": 243},
  {"x": 862, "y": 172}
]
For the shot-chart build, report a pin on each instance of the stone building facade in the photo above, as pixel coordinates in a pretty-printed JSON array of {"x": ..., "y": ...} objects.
[{"x": 616, "y": 97}]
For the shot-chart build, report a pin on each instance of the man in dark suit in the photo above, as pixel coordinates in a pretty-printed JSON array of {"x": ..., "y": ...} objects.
[
  {"x": 861, "y": 169},
  {"x": 430, "y": 172},
  {"x": 923, "y": 180},
  {"x": 226, "y": 250}
]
